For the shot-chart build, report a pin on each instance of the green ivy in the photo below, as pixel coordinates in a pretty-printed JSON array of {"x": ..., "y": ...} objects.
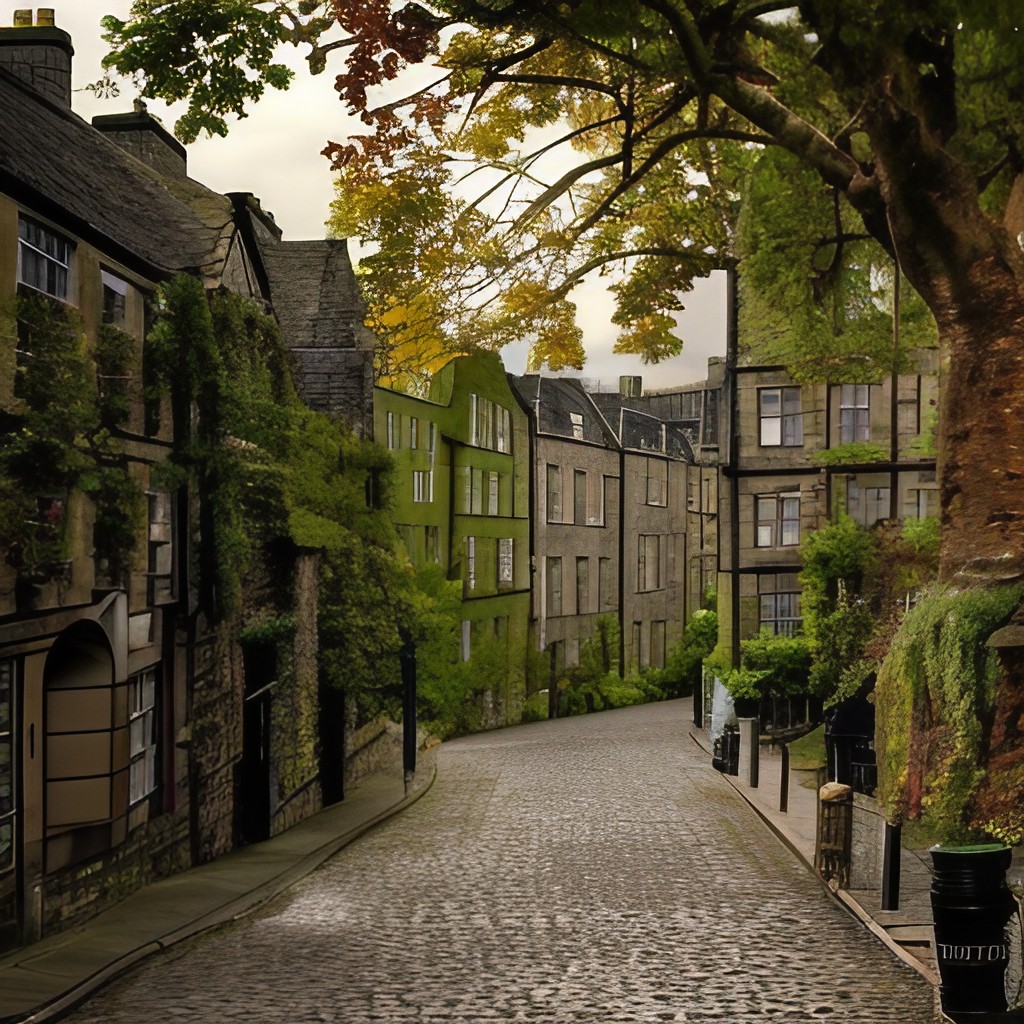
[
  {"x": 54, "y": 440},
  {"x": 854, "y": 453},
  {"x": 935, "y": 690},
  {"x": 116, "y": 355}
]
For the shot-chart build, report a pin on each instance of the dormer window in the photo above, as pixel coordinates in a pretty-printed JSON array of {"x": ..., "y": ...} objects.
[
  {"x": 576, "y": 418},
  {"x": 44, "y": 259}
]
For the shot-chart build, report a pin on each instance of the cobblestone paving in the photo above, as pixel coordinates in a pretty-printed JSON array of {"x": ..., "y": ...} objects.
[{"x": 589, "y": 870}]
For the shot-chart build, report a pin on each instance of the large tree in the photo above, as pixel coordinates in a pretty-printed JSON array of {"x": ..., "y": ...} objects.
[{"x": 904, "y": 118}]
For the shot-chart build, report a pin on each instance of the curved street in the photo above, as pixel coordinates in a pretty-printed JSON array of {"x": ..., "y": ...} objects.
[{"x": 588, "y": 869}]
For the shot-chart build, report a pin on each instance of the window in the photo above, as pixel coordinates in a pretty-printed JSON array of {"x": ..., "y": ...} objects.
[
  {"x": 779, "y": 598},
  {"x": 781, "y": 420},
  {"x": 579, "y": 495},
  {"x": 160, "y": 547},
  {"x": 657, "y": 482},
  {"x": 636, "y": 658},
  {"x": 490, "y": 424},
  {"x": 492, "y": 494},
  {"x": 414, "y": 431},
  {"x": 657, "y": 654},
  {"x": 142, "y": 728},
  {"x": 854, "y": 413},
  {"x": 554, "y": 494},
  {"x": 391, "y": 431},
  {"x": 866, "y": 505},
  {"x": 606, "y": 591},
  {"x": 553, "y": 576},
  {"x": 431, "y": 543},
  {"x": 470, "y": 563},
  {"x": 476, "y": 497},
  {"x": 778, "y": 520},
  {"x": 649, "y": 562},
  {"x": 505, "y": 563},
  {"x": 467, "y": 634},
  {"x": 44, "y": 259},
  {"x": 115, "y": 292},
  {"x": 423, "y": 485},
  {"x": 582, "y": 586},
  {"x": 709, "y": 430},
  {"x": 576, "y": 419},
  {"x": 432, "y": 440},
  {"x": 504, "y": 430}
]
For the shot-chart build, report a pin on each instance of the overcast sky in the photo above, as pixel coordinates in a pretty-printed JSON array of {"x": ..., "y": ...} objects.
[{"x": 275, "y": 154}]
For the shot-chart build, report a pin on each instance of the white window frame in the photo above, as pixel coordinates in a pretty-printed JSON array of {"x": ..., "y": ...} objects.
[
  {"x": 854, "y": 413},
  {"x": 774, "y": 519},
  {"x": 143, "y": 739},
  {"x": 422, "y": 485},
  {"x": 492, "y": 493},
  {"x": 780, "y": 428},
  {"x": 391, "y": 431},
  {"x": 471, "y": 563},
  {"x": 60, "y": 261},
  {"x": 414, "y": 432},
  {"x": 576, "y": 419}
]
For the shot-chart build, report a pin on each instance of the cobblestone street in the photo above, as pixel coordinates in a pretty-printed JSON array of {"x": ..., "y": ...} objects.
[{"x": 590, "y": 869}]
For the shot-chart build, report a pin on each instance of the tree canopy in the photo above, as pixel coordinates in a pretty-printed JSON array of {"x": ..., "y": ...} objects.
[{"x": 822, "y": 145}]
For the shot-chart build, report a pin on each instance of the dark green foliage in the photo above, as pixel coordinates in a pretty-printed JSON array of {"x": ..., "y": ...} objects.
[
  {"x": 54, "y": 440},
  {"x": 270, "y": 471},
  {"x": 595, "y": 685},
  {"x": 780, "y": 663},
  {"x": 192, "y": 47},
  {"x": 683, "y": 665},
  {"x": 116, "y": 353}
]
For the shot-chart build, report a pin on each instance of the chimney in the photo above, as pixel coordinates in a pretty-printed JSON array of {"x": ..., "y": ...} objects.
[
  {"x": 142, "y": 135},
  {"x": 39, "y": 54},
  {"x": 631, "y": 387}
]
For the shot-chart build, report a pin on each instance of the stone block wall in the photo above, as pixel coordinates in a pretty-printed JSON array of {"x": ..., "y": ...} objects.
[
  {"x": 216, "y": 740},
  {"x": 153, "y": 850}
]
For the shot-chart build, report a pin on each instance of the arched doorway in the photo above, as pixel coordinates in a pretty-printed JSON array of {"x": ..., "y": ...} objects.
[{"x": 85, "y": 767}]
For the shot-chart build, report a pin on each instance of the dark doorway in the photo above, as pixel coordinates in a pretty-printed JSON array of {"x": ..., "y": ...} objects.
[
  {"x": 260, "y": 662},
  {"x": 332, "y": 744}
]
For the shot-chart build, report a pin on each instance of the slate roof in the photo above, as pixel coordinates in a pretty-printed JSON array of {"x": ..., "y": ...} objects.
[
  {"x": 553, "y": 399},
  {"x": 54, "y": 162},
  {"x": 638, "y": 428},
  {"x": 314, "y": 294}
]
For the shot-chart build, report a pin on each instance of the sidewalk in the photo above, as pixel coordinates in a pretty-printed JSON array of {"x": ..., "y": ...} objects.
[
  {"x": 41, "y": 981},
  {"x": 907, "y": 931}
]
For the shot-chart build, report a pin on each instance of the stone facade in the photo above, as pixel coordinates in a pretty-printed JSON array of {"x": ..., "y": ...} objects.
[{"x": 136, "y": 736}]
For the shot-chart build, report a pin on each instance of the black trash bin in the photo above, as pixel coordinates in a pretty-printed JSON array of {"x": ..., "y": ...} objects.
[
  {"x": 725, "y": 755},
  {"x": 971, "y": 907}
]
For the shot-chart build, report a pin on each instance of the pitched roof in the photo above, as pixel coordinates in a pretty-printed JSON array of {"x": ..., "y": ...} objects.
[
  {"x": 315, "y": 295},
  {"x": 555, "y": 399},
  {"x": 57, "y": 164}
]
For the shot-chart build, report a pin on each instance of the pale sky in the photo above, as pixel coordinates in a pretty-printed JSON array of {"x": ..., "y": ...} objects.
[{"x": 275, "y": 154}]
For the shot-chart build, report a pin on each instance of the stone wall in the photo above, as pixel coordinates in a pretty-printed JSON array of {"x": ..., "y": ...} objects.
[
  {"x": 216, "y": 741},
  {"x": 153, "y": 850}
]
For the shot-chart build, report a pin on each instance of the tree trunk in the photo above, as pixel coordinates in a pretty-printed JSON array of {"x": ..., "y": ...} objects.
[{"x": 968, "y": 270}]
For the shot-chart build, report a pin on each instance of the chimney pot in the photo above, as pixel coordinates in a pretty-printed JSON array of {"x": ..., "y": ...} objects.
[
  {"x": 23, "y": 19},
  {"x": 45, "y": 16}
]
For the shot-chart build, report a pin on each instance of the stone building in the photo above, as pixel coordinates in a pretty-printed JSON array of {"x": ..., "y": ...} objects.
[
  {"x": 462, "y": 502},
  {"x": 136, "y": 735},
  {"x": 576, "y": 464}
]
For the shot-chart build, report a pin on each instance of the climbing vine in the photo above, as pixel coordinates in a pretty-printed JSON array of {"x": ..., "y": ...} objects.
[
  {"x": 54, "y": 441},
  {"x": 935, "y": 704},
  {"x": 269, "y": 472}
]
